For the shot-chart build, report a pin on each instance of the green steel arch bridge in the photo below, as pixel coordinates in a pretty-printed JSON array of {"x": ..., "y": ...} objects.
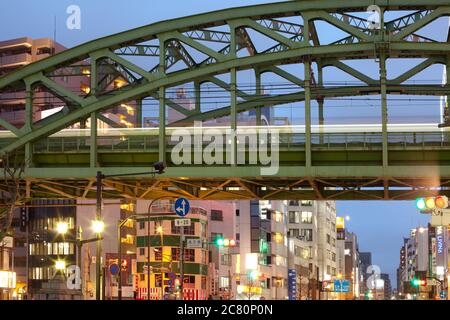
[{"x": 198, "y": 50}]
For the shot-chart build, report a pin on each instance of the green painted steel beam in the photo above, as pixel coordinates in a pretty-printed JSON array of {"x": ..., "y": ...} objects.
[
  {"x": 206, "y": 19},
  {"x": 259, "y": 101},
  {"x": 326, "y": 172}
]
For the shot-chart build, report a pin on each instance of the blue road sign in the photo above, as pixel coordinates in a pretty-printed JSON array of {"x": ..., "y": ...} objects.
[
  {"x": 292, "y": 284},
  {"x": 443, "y": 294},
  {"x": 182, "y": 207},
  {"x": 114, "y": 269},
  {"x": 341, "y": 285}
]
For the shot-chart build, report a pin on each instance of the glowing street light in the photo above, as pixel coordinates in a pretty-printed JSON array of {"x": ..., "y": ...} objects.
[
  {"x": 98, "y": 226},
  {"x": 60, "y": 265},
  {"x": 62, "y": 227}
]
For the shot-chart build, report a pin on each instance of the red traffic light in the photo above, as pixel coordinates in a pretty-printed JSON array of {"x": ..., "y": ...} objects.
[
  {"x": 441, "y": 202},
  {"x": 229, "y": 242},
  {"x": 430, "y": 203}
]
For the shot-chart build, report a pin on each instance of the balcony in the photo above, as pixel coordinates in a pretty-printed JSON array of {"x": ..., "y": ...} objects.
[{"x": 15, "y": 60}]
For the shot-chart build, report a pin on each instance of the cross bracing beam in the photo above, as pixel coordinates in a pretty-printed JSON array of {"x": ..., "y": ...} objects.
[
  {"x": 139, "y": 50},
  {"x": 327, "y": 183}
]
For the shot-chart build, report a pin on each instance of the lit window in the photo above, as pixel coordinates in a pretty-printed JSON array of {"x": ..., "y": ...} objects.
[
  {"x": 224, "y": 282},
  {"x": 306, "y": 217},
  {"x": 278, "y": 238}
]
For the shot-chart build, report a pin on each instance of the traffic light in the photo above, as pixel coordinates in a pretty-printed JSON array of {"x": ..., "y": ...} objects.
[
  {"x": 219, "y": 241},
  {"x": 177, "y": 284},
  {"x": 124, "y": 265},
  {"x": 224, "y": 242},
  {"x": 430, "y": 203},
  {"x": 419, "y": 282},
  {"x": 253, "y": 275},
  {"x": 441, "y": 202}
]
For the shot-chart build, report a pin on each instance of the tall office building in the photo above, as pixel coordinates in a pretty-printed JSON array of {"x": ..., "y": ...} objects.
[{"x": 314, "y": 222}]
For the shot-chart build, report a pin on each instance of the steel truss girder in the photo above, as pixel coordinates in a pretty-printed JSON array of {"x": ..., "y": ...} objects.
[
  {"x": 146, "y": 87},
  {"x": 326, "y": 183}
]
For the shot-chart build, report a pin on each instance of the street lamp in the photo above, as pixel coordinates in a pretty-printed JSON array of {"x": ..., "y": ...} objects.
[
  {"x": 119, "y": 246},
  {"x": 60, "y": 265},
  {"x": 98, "y": 226},
  {"x": 62, "y": 228},
  {"x": 158, "y": 169}
]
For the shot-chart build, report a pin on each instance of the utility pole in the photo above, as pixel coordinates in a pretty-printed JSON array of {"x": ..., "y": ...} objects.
[
  {"x": 98, "y": 246},
  {"x": 182, "y": 263}
]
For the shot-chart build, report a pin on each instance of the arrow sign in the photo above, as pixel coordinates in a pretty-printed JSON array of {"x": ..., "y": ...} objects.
[
  {"x": 114, "y": 269},
  {"x": 182, "y": 207}
]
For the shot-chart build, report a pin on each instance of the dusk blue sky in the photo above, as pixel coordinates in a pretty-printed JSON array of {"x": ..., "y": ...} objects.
[{"x": 380, "y": 226}]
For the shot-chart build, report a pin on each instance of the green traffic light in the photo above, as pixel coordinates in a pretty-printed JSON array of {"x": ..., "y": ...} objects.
[
  {"x": 220, "y": 242},
  {"x": 253, "y": 275},
  {"x": 416, "y": 282},
  {"x": 420, "y": 204}
]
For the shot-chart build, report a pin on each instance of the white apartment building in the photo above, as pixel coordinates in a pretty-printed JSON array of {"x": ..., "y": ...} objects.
[
  {"x": 262, "y": 262},
  {"x": 314, "y": 222}
]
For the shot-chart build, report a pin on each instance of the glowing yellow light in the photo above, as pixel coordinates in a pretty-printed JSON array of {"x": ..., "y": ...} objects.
[
  {"x": 60, "y": 265},
  {"x": 98, "y": 226},
  {"x": 85, "y": 88},
  {"x": 430, "y": 203},
  {"x": 119, "y": 83},
  {"x": 159, "y": 229},
  {"x": 278, "y": 238},
  {"x": 62, "y": 227}
]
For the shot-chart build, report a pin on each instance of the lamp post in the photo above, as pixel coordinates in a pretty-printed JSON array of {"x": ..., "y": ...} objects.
[
  {"x": 149, "y": 212},
  {"x": 159, "y": 169},
  {"x": 62, "y": 228},
  {"x": 119, "y": 245}
]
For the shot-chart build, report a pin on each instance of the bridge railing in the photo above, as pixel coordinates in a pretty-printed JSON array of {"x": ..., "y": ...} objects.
[{"x": 287, "y": 141}]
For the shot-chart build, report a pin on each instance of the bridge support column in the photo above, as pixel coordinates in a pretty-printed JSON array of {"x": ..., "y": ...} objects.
[
  {"x": 446, "y": 110},
  {"x": 197, "y": 95},
  {"x": 139, "y": 113},
  {"x": 307, "y": 88},
  {"x": 93, "y": 155},
  {"x": 233, "y": 115},
  {"x": 162, "y": 125},
  {"x": 384, "y": 110},
  {"x": 320, "y": 101},
  {"x": 233, "y": 96},
  {"x": 258, "y": 92},
  {"x": 93, "y": 160},
  {"x": 28, "y": 122}
]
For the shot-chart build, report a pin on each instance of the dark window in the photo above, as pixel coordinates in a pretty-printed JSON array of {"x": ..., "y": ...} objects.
[
  {"x": 189, "y": 255},
  {"x": 306, "y": 234},
  {"x": 238, "y": 236},
  {"x": 238, "y": 212},
  {"x": 294, "y": 217},
  {"x": 44, "y": 51},
  {"x": 216, "y": 215}
]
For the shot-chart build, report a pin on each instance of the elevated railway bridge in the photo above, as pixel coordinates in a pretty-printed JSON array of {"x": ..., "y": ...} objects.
[{"x": 316, "y": 161}]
